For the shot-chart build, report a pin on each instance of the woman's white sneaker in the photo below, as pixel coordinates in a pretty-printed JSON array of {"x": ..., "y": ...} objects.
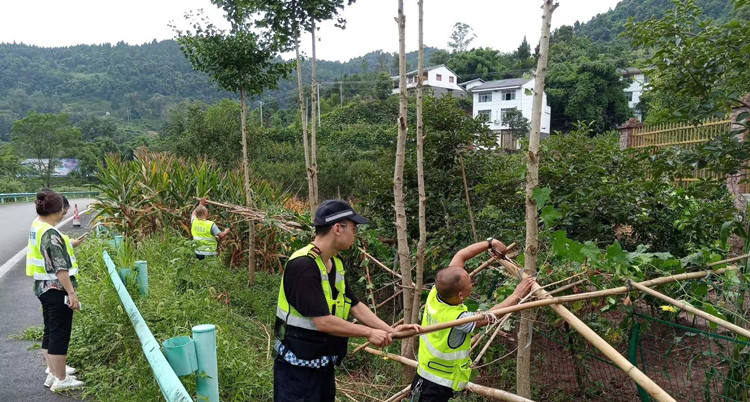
[
  {"x": 51, "y": 379},
  {"x": 68, "y": 370},
  {"x": 68, "y": 383}
]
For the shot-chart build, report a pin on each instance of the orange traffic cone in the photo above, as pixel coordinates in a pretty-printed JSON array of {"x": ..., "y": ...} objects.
[{"x": 76, "y": 218}]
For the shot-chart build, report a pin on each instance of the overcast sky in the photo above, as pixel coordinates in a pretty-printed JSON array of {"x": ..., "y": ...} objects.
[{"x": 500, "y": 24}]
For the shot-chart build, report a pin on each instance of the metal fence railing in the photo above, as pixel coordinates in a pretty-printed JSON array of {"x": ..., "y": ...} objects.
[
  {"x": 24, "y": 197},
  {"x": 170, "y": 385}
]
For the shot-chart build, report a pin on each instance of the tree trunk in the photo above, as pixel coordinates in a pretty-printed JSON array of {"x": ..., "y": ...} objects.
[
  {"x": 422, "y": 244},
  {"x": 248, "y": 193},
  {"x": 303, "y": 120},
  {"x": 313, "y": 140},
  {"x": 525, "y": 329},
  {"x": 407, "y": 348}
]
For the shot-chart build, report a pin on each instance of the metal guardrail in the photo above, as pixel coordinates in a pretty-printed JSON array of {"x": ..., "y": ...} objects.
[
  {"x": 170, "y": 385},
  {"x": 23, "y": 197}
]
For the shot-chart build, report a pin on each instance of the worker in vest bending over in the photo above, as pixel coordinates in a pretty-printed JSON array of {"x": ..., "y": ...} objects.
[
  {"x": 205, "y": 232},
  {"x": 71, "y": 243},
  {"x": 48, "y": 261},
  {"x": 444, "y": 361},
  {"x": 314, "y": 304}
]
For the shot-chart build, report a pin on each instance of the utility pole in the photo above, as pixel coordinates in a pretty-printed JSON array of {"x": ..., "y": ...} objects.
[
  {"x": 261, "y": 113},
  {"x": 318, "y": 105},
  {"x": 341, "y": 92}
]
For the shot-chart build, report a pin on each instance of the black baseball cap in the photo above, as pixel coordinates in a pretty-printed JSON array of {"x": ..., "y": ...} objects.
[{"x": 332, "y": 211}]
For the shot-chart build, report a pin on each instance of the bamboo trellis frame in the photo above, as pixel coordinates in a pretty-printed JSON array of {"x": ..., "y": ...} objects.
[
  {"x": 684, "y": 134},
  {"x": 493, "y": 393}
]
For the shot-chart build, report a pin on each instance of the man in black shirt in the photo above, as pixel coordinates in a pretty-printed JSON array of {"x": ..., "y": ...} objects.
[{"x": 314, "y": 304}]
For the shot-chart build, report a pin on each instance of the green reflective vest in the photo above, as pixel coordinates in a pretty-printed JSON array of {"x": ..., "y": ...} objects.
[
  {"x": 71, "y": 253},
  {"x": 339, "y": 307},
  {"x": 438, "y": 362},
  {"x": 206, "y": 243},
  {"x": 34, "y": 259}
]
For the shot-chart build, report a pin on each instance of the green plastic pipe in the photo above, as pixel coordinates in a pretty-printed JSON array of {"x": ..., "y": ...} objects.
[
  {"x": 141, "y": 267},
  {"x": 118, "y": 242},
  {"x": 207, "y": 380},
  {"x": 170, "y": 385}
]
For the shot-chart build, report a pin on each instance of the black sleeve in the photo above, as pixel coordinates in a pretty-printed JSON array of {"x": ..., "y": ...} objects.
[
  {"x": 303, "y": 288},
  {"x": 350, "y": 294}
]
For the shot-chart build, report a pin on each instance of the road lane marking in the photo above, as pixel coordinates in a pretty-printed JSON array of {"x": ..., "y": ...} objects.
[{"x": 5, "y": 268}]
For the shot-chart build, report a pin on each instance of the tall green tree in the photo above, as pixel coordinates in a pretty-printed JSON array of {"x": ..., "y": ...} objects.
[
  {"x": 461, "y": 37},
  {"x": 702, "y": 62},
  {"x": 45, "y": 137},
  {"x": 287, "y": 19},
  {"x": 239, "y": 60},
  {"x": 583, "y": 83},
  {"x": 484, "y": 62}
]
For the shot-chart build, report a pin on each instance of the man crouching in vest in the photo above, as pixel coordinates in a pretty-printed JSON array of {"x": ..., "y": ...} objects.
[
  {"x": 205, "y": 232},
  {"x": 444, "y": 361},
  {"x": 314, "y": 305}
]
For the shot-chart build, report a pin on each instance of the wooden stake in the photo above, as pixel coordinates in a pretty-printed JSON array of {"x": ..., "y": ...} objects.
[
  {"x": 568, "y": 286},
  {"x": 700, "y": 313},
  {"x": 399, "y": 395},
  {"x": 493, "y": 393},
  {"x": 489, "y": 342},
  {"x": 378, "y": 263}
]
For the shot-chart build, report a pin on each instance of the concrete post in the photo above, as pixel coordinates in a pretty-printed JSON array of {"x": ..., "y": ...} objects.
[
  {"x": 141, "y": 268},
  {"x": 626, "y": 130}
]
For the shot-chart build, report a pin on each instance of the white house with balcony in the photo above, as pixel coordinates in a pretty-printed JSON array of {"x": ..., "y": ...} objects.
[
  {"x": 637, "y": 81},
  {"x": 438, "y": 79},
  {"x": 494, "y": 99}
]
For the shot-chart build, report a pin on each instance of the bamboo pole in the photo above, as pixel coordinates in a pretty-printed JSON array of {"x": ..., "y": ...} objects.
[
  {"x": 685, "y": 306},
  {"x": 489, "y": 342},
  {"x": 488, "y": 262},
  {"x": 566, "y": 287},
  {"x": 399, "y": 395},
  {"x": 559, "y": 300},
  {"x": 475, "y": 388},
  {"x": 378, "y": 263}
]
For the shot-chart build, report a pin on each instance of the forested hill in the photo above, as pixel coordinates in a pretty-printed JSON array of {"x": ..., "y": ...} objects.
[
  {"x": 133, "y": 82},
  {"x": 607, "y": 26}
]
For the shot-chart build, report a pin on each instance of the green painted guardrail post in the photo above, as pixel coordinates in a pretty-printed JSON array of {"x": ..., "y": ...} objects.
[
  {"x": 169, "y": 384},
  {"x": 141, "y": 269},
  {"x": 207, "y": 379}
]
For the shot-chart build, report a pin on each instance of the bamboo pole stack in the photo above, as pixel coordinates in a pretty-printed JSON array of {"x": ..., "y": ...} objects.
[{"x": 493, "y": 393}]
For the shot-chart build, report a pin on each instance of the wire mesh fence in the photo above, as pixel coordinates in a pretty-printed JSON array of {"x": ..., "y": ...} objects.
[{"x": 688, "y": 358}]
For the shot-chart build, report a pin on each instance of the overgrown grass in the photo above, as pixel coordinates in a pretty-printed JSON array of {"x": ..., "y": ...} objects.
[{"x": 183, "y": 293}]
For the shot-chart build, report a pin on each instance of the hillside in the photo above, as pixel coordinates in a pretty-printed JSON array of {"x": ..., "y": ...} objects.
[
  {"x": 606, "y": 27},
  {"x": 132, "y": 82}
]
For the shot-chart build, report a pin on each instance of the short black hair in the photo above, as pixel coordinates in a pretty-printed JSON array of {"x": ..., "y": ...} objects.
[
  {"x": 448, "y": 282},
  {"x": 323, "y": 230}
]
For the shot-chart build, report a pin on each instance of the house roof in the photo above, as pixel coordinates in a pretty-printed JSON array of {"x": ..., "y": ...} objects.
[
  {"x": 410, "y": 73},
  {"x": 507, "y": 83},
  {"x": 465, "y": 83}
]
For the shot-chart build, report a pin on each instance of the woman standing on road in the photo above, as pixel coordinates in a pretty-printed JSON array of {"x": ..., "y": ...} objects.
[{"x": 48, "y": 261}]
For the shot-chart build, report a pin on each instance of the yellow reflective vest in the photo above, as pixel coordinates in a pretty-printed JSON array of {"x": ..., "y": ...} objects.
[
  {"x": 438, "y": 361},
  {"x": 339, "y": 307},
  {"x": 299, "y": 333},
  {"x": 71, "y": 253},
  {"x": 206, "y": 243},
  {"x": 35, "y": 265}
]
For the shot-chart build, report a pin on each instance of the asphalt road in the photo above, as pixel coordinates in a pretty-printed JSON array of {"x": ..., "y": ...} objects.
[{"x": 22, "y": 370}]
